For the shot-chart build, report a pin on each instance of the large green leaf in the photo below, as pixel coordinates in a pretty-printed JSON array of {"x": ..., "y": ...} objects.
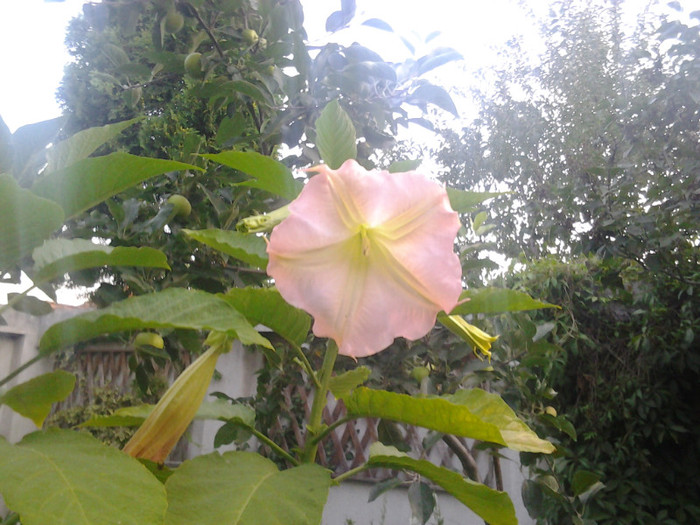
[
  {"x": 335, "y": 135},
  {"x": 493, "y": 506},
  {"x": 58, "y": 256},
  {"x": 243, "y": 488},
  {"x": 465, "y": 201},
  {"x": 268, "y": 174},
  {"x": 247, "y": 248},
  {"x": 171, "y": 308},
  {"x": 33, "y": 398},
  {"x": 88, "y": 182},
  {"x": 60, "y": 477},
  {"x": 495, "y": 300},
  {"x": 25, "y": 221},
  {"x": 265, "y": 306},
  {"x": 469, "y": 413},
  {"x": 82, "y": 144}
]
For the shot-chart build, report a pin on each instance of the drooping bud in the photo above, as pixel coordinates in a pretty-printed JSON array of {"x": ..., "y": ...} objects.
[
  {"x": 479, "y": 340},
  {"x": 162, "y": 429}
]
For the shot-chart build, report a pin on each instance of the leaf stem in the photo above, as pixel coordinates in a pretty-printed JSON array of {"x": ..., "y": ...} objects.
[
  {"x": 306, "y": 365},
  {"x": 323, "y": 433},
  {"x": 314, "y": 428},
  {"x": 350, "y": 473},
  {"x": 274, "y": 446}
]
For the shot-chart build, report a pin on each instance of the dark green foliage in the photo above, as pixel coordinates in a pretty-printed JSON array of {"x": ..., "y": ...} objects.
[
  {"x": 621, "y": 362},
  {"x": 105, "y": 402}
]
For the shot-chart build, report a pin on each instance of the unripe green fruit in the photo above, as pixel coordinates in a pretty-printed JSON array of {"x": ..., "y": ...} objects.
[
  {"x": 250, "y": 36},
  {"x": 174, "y": 21},
  {"x": 181, "y": 206},
  {"x": 144, "y": 339},
  {"x": 419, "y": 373},
  {"x": 193, "y": 65}
]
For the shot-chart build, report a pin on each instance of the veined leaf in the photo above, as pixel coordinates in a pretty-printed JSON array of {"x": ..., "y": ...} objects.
[
  {"x": 25, "y": 221},
  {"x": 33, "y": 398},
  {"x": 493, "y": 506},
  {"x": 58, "y": 256},
  {"x": 342, "y": 385},
  {"x": 247, "y": 248},
  {"x": 80, "y": 482},
  {"x": 171, "y": 308},
  {"x": 88, "y": 182},
  {"x": 335, "y": 135},
  {"x": 83, "y": 144},
  {"x": 465, "y": 201},
  {"x": 493, "y": 300},
  {"x": 469, "y": 413},
  {"x": 244, "y": 488},
  {"x": 268, "y": 174},
  {"x": 265, "y": 306}
]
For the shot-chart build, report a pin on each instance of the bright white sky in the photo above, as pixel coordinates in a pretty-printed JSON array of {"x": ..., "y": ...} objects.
[{"x": 33, "y": 55}]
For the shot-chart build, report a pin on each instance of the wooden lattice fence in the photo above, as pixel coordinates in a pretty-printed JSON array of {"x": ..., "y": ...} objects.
[{"x": 106, "y": 366}]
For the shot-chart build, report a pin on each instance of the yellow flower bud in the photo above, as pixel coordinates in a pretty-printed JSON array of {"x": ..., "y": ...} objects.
[
  {"x": 479, "y": 340},
  {"x": 162, "y": 429}
]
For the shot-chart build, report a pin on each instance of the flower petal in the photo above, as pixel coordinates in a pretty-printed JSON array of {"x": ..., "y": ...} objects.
[{"x": 369, "y": 255}]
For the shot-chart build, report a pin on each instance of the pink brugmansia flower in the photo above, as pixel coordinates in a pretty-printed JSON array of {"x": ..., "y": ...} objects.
[{"x": 369, "y": 255}]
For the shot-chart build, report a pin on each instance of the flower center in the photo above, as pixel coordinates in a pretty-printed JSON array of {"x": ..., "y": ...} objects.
[{"x": 364, "y": 235}]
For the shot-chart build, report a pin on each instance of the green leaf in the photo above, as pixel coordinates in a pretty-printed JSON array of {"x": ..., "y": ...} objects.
[
  {"x": 342, "y": 385},
  {"x": 69, "y": 478},
  {"x": 472, "y": 413},
  {"x": 29, "y": 144},
  {"x": 25, "y": 221},
  {"x": 59, "y": 256},
  {"x": 465, "y": 201},
  {"x": 6, "y": 152},
  {"x": 171, "y": 308},
  {"x": 479, "y": 219},
  {"x": 247, "y": 248},
  {"x": 428, "y": 93},
  {"x": 422, "y": 501},
  {"x": 88, "y": 182},
  {"x": 265, "y": 306},
  {"x": 83, "y": 144},
  {"x": 493, "y": 506},
  {"x": 583, "y": 481},
  {"x": 243, "y": 488},
  {"x": 268, "y": 174},
  {"x": 33, "y": 398},
  {"x": 493, "y": 300},
  {"x": 401, "y": 166},
  {"x": 28, "y": 304},
  {"x": 335, "y": 135}
]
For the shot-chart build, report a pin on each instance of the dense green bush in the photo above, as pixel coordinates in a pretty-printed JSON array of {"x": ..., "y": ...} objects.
[{"x": 624, "y": 363}]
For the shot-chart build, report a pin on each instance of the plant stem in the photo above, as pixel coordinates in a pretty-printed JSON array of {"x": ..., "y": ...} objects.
[
  {"x": 350, "y": 473},
  {"x": 332, "y": 427},
  {"x": 20, "y": 369},
  {"x": 316, "y": 417}
]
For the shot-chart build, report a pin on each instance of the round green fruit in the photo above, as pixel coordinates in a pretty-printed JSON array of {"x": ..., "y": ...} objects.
[
  {"x": 193, "y": 65},
  {"x": 174, "y": 21},
  {"x": 250, "y": 36},
  {"x": 181, "y": 206},
  {"x": 419, "y": 373},
  {"x": 146, "y": 339}
]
